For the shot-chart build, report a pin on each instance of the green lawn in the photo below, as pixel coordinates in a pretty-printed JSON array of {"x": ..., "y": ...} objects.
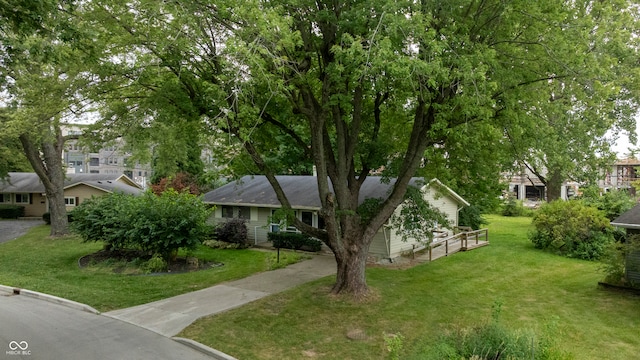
[
  {"x": 536, "y": 290},
  {"x": 37, "y": 262}
]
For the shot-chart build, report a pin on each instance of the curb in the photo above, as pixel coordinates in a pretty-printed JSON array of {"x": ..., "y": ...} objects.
[
  {"x": 216, "y": 354},
  {"x": 50, "y": 298}
]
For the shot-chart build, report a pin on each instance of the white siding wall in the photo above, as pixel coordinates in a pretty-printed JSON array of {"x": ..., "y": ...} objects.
[
  {"x": 257, "y": 225},
  {"x": 444, "y": 203},
  {"x": 379, "y": 247}
]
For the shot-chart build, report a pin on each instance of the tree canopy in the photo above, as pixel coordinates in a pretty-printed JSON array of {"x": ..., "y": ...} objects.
[{"x": 453, "y": 89}]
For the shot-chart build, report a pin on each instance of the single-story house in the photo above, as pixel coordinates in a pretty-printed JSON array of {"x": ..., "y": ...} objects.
[
  {"x": 27, "y": 190},
  {"x": 630, "y": 221},
  {"x": 253, "y": 199}
]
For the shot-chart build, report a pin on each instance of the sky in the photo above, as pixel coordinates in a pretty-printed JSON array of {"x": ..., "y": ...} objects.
[{"x": 623, "y": 144}]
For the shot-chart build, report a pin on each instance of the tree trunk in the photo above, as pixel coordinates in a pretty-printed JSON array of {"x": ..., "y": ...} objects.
[
  {"x": 57, "y": 208},
  {"x": 554, "y": 185},
  {"x": 350, "y": 275},
  {"x": 46, "y": 160}
]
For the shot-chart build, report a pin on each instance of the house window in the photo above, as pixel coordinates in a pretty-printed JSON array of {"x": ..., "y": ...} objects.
[
  {"x": 307, "y": 217},
  {"x": 22, "y": 198},
  {"x": 244, "y": 212},
  {"x": 70, "y": 201},
  {"x": 94, "y": 171},
  {"x": 227, "y": 211},
  {"x": 94, "y": 161},
  {"x": 5, "y": 198}
]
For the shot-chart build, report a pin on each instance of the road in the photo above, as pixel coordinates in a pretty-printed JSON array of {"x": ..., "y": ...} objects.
[
  {"x": 12, "y": 229},
  {"x": 33, "y": 329}
]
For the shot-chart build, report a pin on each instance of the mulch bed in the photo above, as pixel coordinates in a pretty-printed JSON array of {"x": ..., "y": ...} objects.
[{"x": 177, "y": 266}]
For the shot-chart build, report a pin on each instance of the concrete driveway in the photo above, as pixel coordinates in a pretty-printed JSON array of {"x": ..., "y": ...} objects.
[
  {"x": 31, "y": 328},
  {"x": 13, "y": 229}
]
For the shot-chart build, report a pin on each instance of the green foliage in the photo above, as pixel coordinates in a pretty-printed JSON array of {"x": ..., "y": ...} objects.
[
  {"x": 155, "y": 224},
  {"x": 285, "y": 259},
  {"x": 572, "y": 229},
  {"x": 11, "y": 211},
  {"x": 394, "y": 344},
  {"x": 613, "y": 202},
  {"x": 615, "y": 263},
  {"x": 155, "y": 264},
  {"x": 417, "y": 218},
  {"x": 471, "y": 216},
  {"x": 288, "y": 240},
  {"x": 513, "y": 207},
  {"x": 232, "y": 231},
  {"x": 493, "y": 340}
]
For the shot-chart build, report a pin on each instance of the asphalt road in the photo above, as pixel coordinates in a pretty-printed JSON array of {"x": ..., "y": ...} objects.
[
  {"x": 33, "y": 329},
  {"x": 12, "y": 229}
]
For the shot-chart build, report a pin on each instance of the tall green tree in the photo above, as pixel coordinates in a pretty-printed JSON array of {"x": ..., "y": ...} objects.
[
  {"x": 356, "y": 87},
  {"x": 560, "y": 129},
  {"x": 41, "y": 57}
]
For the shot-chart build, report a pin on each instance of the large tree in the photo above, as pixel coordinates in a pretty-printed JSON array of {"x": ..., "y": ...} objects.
[
  {"x": 562, "y": 129},
  {"x": 356, "y": 86},
  {"x": 41, "y": 72}
]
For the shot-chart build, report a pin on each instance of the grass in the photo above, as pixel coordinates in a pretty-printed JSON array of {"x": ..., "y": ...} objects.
[
  {"x": 536, "y": 289},
  {"x": 40, "y": 263}
]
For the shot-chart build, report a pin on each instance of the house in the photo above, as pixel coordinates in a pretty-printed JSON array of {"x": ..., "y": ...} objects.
[
  {"x": 27, "y": 190},
  {"x": 526, "y": 186},
  {"x": 253, "y": 199},
  {"x": 630, "y": 221}
]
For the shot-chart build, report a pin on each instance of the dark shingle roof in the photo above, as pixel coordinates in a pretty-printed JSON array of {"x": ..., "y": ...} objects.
[
  {"x": 629, "y": 219},
  {"x": 302, "y": 191}
]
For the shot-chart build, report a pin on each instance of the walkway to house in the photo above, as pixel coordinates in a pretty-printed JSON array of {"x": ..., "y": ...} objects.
[{"x": 170, "y": 316}]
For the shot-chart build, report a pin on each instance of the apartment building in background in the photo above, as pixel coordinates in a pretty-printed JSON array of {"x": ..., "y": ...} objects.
[
  {"x": 108, "y": 160},
  {"x": 621, "y": 175}
]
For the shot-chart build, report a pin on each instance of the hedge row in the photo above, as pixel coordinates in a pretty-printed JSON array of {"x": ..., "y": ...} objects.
[
  {"x": 287, "y": 240},
  {"x": 11, "y": 211}
]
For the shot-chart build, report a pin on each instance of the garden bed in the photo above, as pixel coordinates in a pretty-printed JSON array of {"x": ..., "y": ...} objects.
[{"x": 133, "y": 263}]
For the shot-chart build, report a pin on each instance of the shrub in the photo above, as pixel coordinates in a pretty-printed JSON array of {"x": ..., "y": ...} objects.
[
  {"x": 155, "y": 224},
  {"x": 233, "y": 231},
  {"x": 493, "y": 340},
  {"x": 155, "y": 264},
  {"x": 108, "y": 219},
  {"x": 287, "y": 240},
  {"x": 614, "y": 261},
  {"x": 572, "y": 229},
  {"x": 471, "y": 216},
  {"x": 11, "y": 211},
  {"x": 613, "y": 203},
  {"x": 513, "y": 207}
]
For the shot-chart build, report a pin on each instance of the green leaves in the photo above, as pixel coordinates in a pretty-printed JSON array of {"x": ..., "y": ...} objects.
[{"x": 156, "y": 224}]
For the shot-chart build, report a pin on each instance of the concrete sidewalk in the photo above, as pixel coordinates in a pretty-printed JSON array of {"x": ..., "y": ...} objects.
[{"x": 170, "y": 316}]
